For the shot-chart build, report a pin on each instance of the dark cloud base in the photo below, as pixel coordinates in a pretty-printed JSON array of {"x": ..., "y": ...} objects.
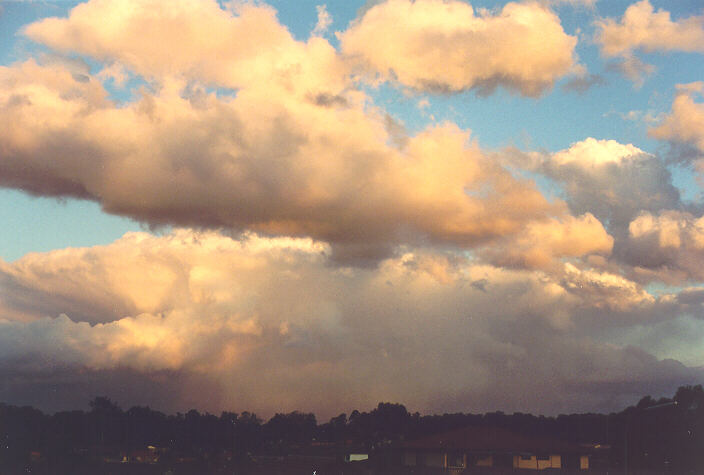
[
  {"x": 53, "y": 389},
  {"x": 64, "y": 388}
]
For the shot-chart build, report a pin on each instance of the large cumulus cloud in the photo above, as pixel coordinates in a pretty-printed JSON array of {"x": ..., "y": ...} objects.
[
  {"x": 478, "y": 279},
  {"x": 273, "y": 326},
  {"x": 296, "y": 150},
  {"x": 612, "y": 181},
  {"x": 622, "y": 187}
]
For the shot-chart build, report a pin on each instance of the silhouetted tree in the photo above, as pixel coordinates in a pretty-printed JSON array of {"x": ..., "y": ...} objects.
[{"x": 653, "y": 434}]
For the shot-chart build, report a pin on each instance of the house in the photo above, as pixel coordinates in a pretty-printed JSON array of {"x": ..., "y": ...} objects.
[
  {"x": 478, "y": 446},
  {"x": 356, "y": 457},
  {"x": 331, "y": 452}
]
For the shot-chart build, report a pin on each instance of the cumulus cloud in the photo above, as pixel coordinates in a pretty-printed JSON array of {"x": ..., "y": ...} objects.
[
  {"x": 296, "y": 150},
  {"x": 667, "y": 246},
  {"x": 231, "y": 312},
  {"x": 605, "y": 290},
  {"x": 648, "y": 117},
  {"x": 145, "y": 342},
  {"x": 288, "y": 166},
  {"x": 477, "y": 279},
  {"x": 240, "y": 46},
  {"x": 591, "y": 153},
  {"x": 610, "y": 180},
  {"x": 643, "y": 28},
  {"x": 138, "y": 274},
  {"x": 441, "y": 46},
  {"x": 610, "y": 185},
  {"x": 685, "y": 123},
  {"x": 542, "y": 242}
]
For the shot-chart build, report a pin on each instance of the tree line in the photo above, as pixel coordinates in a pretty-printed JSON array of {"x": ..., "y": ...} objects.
[{"x": 655, "y": 434}]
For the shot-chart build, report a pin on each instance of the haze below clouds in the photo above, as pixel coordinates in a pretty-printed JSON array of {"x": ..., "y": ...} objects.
[{"x": 309, "y": 251}]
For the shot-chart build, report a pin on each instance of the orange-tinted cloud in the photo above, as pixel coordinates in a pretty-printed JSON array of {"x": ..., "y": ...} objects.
[
  {"x": 685, "y": 123},
  {"x": 643, "y": 28},
  {"x": 446, "y": 46},
  {"x": 242, "y": 46},
  {"x": 274, "y": 327},
  {"x": 541, "y": 243},
  {"x": 277, "y": 164},
  {"x": 242, "y": 128}
]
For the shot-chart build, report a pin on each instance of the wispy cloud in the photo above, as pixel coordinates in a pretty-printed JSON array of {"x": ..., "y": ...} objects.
[{"x": 324, "y": 21}]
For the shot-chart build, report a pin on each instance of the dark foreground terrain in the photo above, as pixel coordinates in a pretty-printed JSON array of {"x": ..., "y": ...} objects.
[{"x": 664, "y": 436}]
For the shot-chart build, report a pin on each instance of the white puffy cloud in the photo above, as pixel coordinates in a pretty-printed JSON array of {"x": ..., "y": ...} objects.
[
  {"x": 591, "y": 153},
  {"x": 145, "y": 342},
  {"x": 445, "y": 46},
  {"x": 613, "y": 181},
  {"x": 615, "y": 184},
  {"x": 139, "y": 274}
]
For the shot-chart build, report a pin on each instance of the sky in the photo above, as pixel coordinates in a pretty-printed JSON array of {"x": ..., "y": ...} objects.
[{"x": 457, "y": 206}]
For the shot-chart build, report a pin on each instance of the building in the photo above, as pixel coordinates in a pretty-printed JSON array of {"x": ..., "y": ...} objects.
[
  {"x": 356, "y": 457},
  {"x": 490, "y": 447}
]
